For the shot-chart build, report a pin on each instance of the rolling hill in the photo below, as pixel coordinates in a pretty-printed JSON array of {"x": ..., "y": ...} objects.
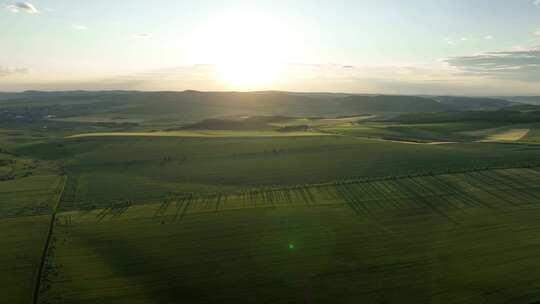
[{"x": 192, "y": 106}]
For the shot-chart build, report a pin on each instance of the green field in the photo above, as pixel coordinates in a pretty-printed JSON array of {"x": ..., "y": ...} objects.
[
  {"x": 106, "y": 170},
  {"x": 437, "y": 239},
  {"x": 202, "y": 134},
  {"x": 271, "y": 201},
  {"x": 27, "y": 186},
  {"x": 431, "y": 132},
  {"x": 22, "y": 241},
  {"x": 533, "y": 137}
]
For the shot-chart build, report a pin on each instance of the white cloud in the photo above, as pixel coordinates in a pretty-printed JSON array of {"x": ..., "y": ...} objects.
[
  {"x": 24, "y": 7},
  {"x": 519, "y": 48},
  {"x": 537, "y": 33},
  {"x": 398, "y": 78},
  {"x": 8, "y": 71},
  {"x": 437, "y": 78},
  {"x": 141, "y": 35},
  {"x": 454, "y": 41},
  {"x": 450, "y": 41},
  {"x": 520, "y": 63},
  {"x": 79, "y": 27},
  {"x": 536, "y": 2}
]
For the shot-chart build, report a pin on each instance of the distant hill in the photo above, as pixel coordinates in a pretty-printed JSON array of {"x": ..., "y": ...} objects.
[
  {"x": 472, "y": 103},
  {"x": 523, "y": 107},
  {"x": 388, "y": 103},
  {"x": 4, "y": 96},
  {"x": 192, "y": 106},
  {"x": 535, "y": 100}
]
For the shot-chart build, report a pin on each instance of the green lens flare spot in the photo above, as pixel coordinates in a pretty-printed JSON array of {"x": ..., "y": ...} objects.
[{"x": 291, "y": 246}]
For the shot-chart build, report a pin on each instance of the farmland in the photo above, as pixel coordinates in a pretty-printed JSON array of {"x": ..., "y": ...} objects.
[
  {"x": 27, "y": 187},
  {"x": 329, "y": 243},
  {"x": 200, "y": 134},
  {"x": 22, "y": 244},
  {"x": 267, "y": 203},
  {"x": 269, "y": 152},
  {"x": 102, "y": 172}
]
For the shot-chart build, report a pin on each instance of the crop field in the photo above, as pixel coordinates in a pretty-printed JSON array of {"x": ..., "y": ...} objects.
[
  {"x": 321, "y": 122},
  {"x": 428, "y": 132},
  {"x": 200, "y": 133},
  {"x": 510, "y": 135},
  {"x": 21, "y": 242},
  {"x": 114, "y": 170},
  {"x": 285, "y": 209},
  {"x": 533, "y": 137},
  {"x": 436, "y": 238},
  {"x": 27, "y": 187}
]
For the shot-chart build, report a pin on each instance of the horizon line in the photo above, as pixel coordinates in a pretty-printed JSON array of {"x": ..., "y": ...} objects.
[{"x": 263, "y": 91}]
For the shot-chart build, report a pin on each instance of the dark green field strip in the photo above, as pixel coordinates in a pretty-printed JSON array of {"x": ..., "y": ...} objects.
[
  {"x": 87, "y": 191},
  {"x": 445, "y": 193},
  {"x": 29, "y": 192},
  {"x": 533, "y": 137},
  {"x": 139, "y": 170},
  {"x": 390, "y": 209},
  {"x": 69, "y": 197},
  {"x": 325, "y": 253},
  {"x": 527, "y": 193},
  {"x": 21, "y": 243},
  {"x": 502, "y": 188},
  {"x": 42, "y": 278},
  {"x": 440, "y": 194},
  {"x": 420, "y": 132},
  {"x": 29, "y": 184},
  {"x": 27, "y": 196}
]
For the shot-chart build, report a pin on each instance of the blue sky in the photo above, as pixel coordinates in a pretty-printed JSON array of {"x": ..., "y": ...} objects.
[{"x": 473, "y": 47}]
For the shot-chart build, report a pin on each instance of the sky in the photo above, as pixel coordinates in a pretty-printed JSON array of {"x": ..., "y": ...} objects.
[{"x": 451, "y": 47}]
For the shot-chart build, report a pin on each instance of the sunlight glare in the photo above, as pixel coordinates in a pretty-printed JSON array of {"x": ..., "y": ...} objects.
[{"x": 248, "y": 48}]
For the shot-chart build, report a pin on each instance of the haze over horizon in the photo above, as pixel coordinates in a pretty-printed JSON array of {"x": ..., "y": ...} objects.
[{"x": 408, "y": 47}]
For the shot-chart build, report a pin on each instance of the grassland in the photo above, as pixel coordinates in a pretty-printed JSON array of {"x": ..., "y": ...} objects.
[{"x": 459, "y": 238}]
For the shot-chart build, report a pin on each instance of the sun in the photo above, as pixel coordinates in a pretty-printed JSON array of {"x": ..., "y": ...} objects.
[
  {"x": 248, "y": 49},
  {"x": 246, "y": 75}
]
